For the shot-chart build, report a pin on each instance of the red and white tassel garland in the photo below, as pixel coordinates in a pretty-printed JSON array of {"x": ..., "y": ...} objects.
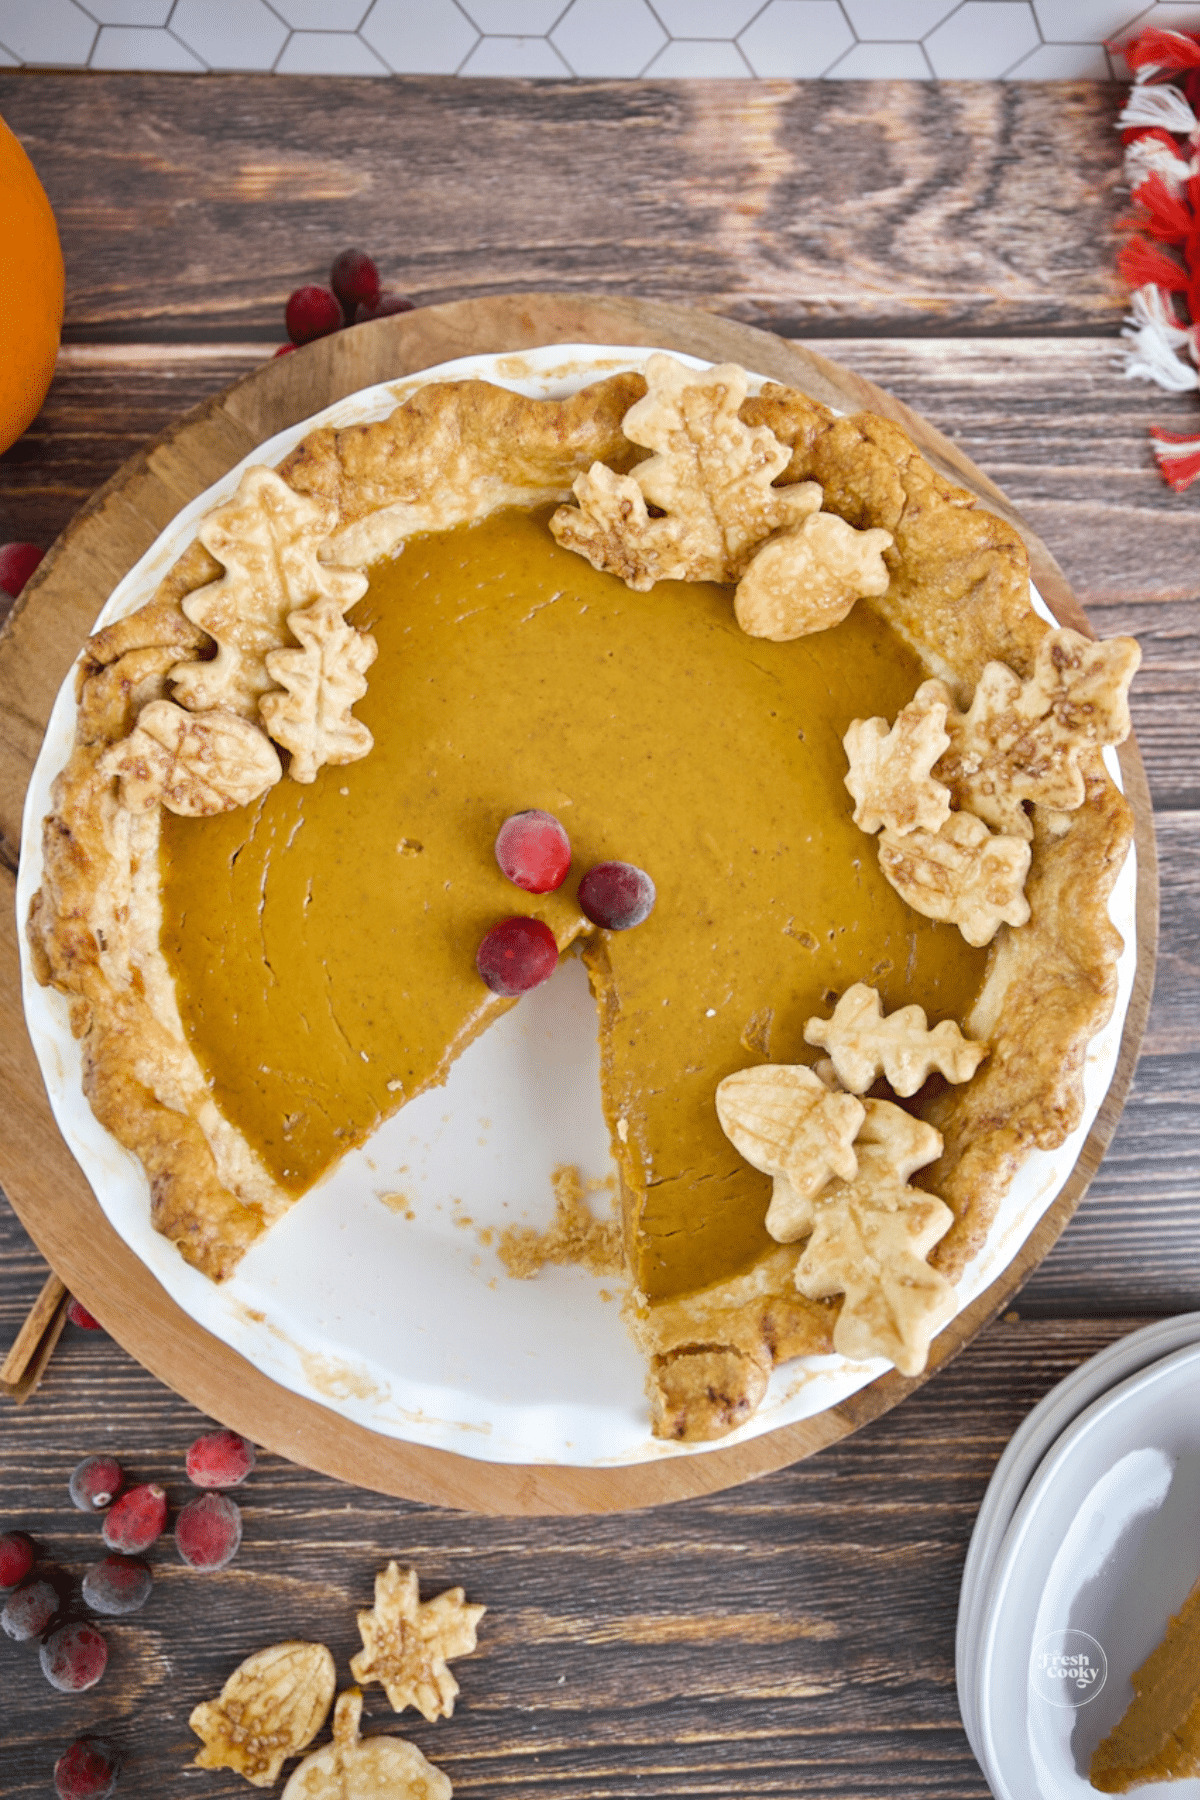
[{"x": 1163, "y": 259}]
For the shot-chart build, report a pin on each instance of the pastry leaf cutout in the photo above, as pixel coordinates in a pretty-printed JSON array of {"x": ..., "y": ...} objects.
[
  {"x": 272, "y": 1706},
  {"x": 195, "y": 764},
  {"x": 784, "y": 1120},
  {"x": 407, "y": 1644},
  {"x": 863, "y": 1044},
  {"x": 322, "y": 680},
  {"x": 710, "y": 478}
]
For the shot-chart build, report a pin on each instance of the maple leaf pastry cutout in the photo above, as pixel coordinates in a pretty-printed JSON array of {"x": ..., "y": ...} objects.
[
  {"x": 1022, "y": 740},
  {"x": 407, "y": 1644},
  {"x": 710, "y": 479},
  {"x": 268, "y": 538},
  {"x": 322, "y": 680},
  {"x": 870, "y": 1240}
]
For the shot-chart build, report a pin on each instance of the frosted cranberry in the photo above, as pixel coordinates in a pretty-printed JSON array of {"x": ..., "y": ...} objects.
[
  {"x": 96, "y": 1482},
  {"x": 534, "y": 851},
  {"x": 516, "y": 955},
  {"x": 219, "y": 1459},
  {"x": 117, "y": 1585},
  {"x": 28, "y": 1612},
  {"x": 383, "y": 308},
  {"x": 312, "y": 312},
  {"x": 17, "y": 1557},
  {"x": 136, "y": 1519},
  {"x": 79, "y": 1315},
  {"x": 88, "y": 1770},
  {"x": 616, "y": 895},
  {"x": 17, "y": 563},
  {"x": 355, "y": 280},
  {"x": 74, "y": 1658},
  {"x": 208, "y": 1531}
]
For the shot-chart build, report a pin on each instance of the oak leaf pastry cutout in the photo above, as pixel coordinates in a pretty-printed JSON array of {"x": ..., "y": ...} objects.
[
  {"x": 1022, "y": 740},
  {"x": 268, "y": 538},
  {"x": 357, "y": 1768},
  {"x": 863, "y": 1044},
  {"x": 784, "y": 1120},
  {"x": 710, "y": 478},
  {"x": 890, "y": 777},
  {"x": 322, "y": 679},
  {"x": 407, "y": 1644},
  {"x": 195, "y": 764},
  {"x": 807, "y": 579},
  {"x": 270, "y": 1708},
  {"x": 962, "y": 875},
  {"x": 870, "y": 1238}
]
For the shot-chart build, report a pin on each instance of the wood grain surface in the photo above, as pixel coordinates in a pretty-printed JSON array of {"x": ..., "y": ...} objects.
[
  {"x": 672, "y": 1630},
  {"x": 42, "y": 637}
]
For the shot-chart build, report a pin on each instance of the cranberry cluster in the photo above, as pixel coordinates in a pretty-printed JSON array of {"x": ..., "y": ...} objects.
[
  {"x": 355, "y": 295},
  {"x": 74, "y": 1654},
  {"x": 534, "y": 852}
]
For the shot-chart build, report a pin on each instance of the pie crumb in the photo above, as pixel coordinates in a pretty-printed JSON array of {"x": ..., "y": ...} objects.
[{"x": 575, "y": 1235}]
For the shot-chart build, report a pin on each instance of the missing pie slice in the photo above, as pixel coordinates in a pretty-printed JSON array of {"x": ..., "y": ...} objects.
[{"x": 267, "y": 954}]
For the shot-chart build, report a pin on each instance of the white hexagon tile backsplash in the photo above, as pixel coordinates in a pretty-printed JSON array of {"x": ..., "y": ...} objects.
[{"x": 953, "y": 40}]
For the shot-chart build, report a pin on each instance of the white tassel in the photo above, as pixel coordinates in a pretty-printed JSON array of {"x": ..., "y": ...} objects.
[
  {"x": 1150, "y": 156},
  {"x": 1154, "y": 336},
  {"x": 1163, "y": 105}
]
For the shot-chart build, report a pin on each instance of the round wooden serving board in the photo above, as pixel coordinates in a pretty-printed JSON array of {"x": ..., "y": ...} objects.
[{"x": 39, "y": 643}]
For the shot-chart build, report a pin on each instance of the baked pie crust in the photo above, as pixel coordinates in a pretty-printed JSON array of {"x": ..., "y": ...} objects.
[{"x": 958, "y": 594}]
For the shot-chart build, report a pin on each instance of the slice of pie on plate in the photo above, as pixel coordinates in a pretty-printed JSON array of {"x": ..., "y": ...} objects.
[{"x": 726, "y": 636}]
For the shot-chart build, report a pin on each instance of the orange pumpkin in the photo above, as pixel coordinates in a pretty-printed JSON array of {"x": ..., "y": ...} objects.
[{"x": 31, "y": 290}]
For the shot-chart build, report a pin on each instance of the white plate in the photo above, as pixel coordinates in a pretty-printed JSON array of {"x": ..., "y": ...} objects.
[
  {"x": 1103, "y": 1548},
  {"x": 1031, "y": 1442},
  {"x": 408, "y": 1326}
]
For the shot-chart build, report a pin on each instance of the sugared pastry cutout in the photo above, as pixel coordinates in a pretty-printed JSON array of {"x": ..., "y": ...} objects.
[
  {"x": 268, "y": 538},
  {"x": 787, "y": 1123},
  {"x": 407, "y": 1644},
  {"x": 1023, "y": 740},
  {"x": 807, "y": 579},
  {"x": 963, "y": 875},
  {"x": 194, "y": 764},
  {"x": 711, "y": 478},
  {"x": 322, "y": 680},
  {"x": 870, "y": 1238},
  {"x": 863, "y": 1044},
  {"x": 272, "y": 1706},
  {"x": 358, "y": 1768},
  {"x": 890, "y": 779}
]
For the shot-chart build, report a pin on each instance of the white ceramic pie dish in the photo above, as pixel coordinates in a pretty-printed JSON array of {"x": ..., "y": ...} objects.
[{"x": 400, "y": 1316}]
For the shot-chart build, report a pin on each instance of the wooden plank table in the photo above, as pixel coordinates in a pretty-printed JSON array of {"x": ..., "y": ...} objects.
[{"x": 793, "y": 1637}]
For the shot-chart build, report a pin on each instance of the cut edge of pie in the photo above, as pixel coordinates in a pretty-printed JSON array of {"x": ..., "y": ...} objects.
[{"x": 958, "y": 594}]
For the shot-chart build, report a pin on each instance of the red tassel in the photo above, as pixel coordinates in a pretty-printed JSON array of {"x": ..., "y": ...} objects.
[
  {"x": 1170, "y": 218},
  {"x": 1163, "y": 53},
  {"x": 1178, "y": 457},
  {"x": 1140, "y": 262}
]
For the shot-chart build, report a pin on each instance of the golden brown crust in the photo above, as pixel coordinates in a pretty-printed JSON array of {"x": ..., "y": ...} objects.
[{"x": 958, "y": 593}]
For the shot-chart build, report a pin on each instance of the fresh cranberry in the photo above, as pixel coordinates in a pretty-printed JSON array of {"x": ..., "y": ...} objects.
[
  {"x": 79, "y": 1315},
  {"x": 355, "y": 280},
  {"x": 17, "y": 1557},
  {"x": 74, "y": 1658},
  {"x": 534, "y": 851},
  {"x": 28, "y": 1612},
  {"x": 17, "y": 563},
  {"x": 616, "y": 895},
  {"x": 117, "y": 1585},
  {"x": 96, "y": 1482},
  {"x": 88, "y": 1770},
  {"x": 383, "y": 308},
  {"x": 136, "y": 1520},
  {"x": 516, "y": 955},
  {"x": 208, "y": 1531},
  {"x": 219, "y": 1459},
  {"x": 312, "y": 312}
]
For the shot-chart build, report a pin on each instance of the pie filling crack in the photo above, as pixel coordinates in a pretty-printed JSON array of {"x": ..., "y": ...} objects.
[{"x": 765, "y": 653}]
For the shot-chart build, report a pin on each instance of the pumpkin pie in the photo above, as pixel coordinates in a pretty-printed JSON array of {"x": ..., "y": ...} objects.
[
  {"x": 1158, "y": 1736},
  {"x": 269, "y": 861}
]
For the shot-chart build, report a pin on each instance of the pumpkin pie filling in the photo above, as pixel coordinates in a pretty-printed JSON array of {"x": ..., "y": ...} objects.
[{"x": 322, "y": 940}]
